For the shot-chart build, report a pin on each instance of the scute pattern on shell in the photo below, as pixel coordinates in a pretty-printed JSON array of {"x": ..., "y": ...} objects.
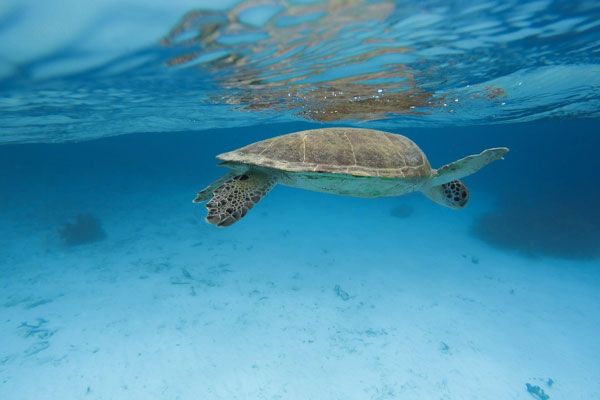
[{"x": 352, "y": 151}]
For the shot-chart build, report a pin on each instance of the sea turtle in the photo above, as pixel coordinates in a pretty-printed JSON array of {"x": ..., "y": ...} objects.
[{"x": 345, "y": 161}]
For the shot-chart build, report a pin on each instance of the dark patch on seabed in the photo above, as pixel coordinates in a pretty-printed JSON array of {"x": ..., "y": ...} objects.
[
  {"x": 549, "y": 206},
  {"x": 402, "y": 211},
  {"x": 563, "y": 227},
  {"x": 85, "y": 228}
]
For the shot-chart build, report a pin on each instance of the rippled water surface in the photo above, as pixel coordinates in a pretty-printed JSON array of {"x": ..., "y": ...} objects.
[{"x": 115, "y": 69}]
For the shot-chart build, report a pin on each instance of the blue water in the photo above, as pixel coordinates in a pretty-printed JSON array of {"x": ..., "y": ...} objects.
[{"x": 112, "y": 286}]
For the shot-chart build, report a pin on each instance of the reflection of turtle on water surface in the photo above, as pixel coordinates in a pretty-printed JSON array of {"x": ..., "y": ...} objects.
[{"x": 345, "y": 161}]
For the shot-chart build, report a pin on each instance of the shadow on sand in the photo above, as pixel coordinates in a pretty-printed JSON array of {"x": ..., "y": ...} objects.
[{"x": 564, "y": 228}]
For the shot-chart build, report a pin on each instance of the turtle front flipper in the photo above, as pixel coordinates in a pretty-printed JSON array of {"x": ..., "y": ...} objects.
[
  {"x": 207, "y": 192},
  {"x": 232, "y": 199}
]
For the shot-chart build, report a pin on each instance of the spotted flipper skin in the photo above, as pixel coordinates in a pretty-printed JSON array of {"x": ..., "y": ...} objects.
[
  {"x": 236, "y": 196},
  {"x": 453, "y": 194}
]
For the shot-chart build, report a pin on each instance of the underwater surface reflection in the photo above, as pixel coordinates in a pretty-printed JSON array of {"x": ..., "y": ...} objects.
[{"x": 383, "y": 64}]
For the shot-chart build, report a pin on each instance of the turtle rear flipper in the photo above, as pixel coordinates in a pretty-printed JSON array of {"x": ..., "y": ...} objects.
[
  {"x": 453, "y": 194},
  {"x": 232, "y": 199},
  {"x": 466, "y": 166}
]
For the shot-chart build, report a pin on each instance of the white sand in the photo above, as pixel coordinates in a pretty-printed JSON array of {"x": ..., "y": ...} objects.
[{"x": 168, "y": 307}]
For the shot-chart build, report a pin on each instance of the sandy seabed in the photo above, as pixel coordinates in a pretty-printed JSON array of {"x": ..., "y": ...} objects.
[{"x": 310, "y": 297}]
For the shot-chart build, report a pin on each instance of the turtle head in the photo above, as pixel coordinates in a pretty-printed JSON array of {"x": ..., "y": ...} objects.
[{"x": 453, "y": 194}]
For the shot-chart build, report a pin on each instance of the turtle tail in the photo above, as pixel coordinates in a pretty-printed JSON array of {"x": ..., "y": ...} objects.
[{"x": 232, "y": 196}]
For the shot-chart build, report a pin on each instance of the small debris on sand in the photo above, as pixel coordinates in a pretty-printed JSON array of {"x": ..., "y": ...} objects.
[
  {"x": 341, "y": 293},
  {"x": 537, "y": 392},
  {"x": 444, "y": 348}
]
